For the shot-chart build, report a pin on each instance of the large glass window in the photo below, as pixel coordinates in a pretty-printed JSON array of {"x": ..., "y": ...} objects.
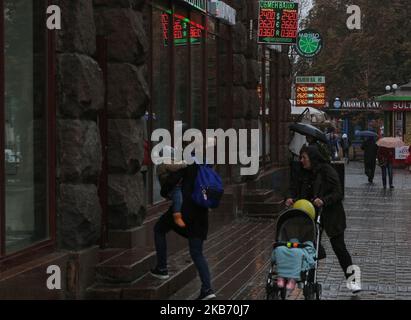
[
  {"x": 181, "y": 38},
  {"x": 197, "y": 60},
  {"x": 25, "y": 114},
  {"x": 188, "y": 78},
  {"x": 212, "y": 84},
  {"x": 399, "y": 125},
  {"x": 160, "y": 116}
]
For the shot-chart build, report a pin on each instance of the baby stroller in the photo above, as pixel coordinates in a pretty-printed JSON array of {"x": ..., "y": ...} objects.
[{"x": 303, "y": 223}]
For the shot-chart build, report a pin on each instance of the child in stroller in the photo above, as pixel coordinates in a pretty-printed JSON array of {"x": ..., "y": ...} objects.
[{"x": 294, "y": 256}]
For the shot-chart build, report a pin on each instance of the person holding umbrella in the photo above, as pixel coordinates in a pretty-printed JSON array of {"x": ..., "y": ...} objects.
[
  {"x": 314, "y": 136},
  {"x": 385, "y": 161},
  {"x": 386, "y": 155},
  {"x": 370, "y": 155}
]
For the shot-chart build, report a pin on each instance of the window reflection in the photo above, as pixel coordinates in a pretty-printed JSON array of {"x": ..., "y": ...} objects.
[{"x": 25, "y": 125}]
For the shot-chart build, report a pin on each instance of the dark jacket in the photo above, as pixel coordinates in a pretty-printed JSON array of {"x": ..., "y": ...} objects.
[
  {"x": 345, "y": 143},
  {"x": 370, "y": 151},
  {"x": 194, "y": 216},
  {"x": 323, "y": 182},
  {"x": 385, "y": 155}
]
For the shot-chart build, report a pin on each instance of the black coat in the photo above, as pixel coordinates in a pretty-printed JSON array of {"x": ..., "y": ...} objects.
[
  {"x": 194, "y": 216},
  {"x": 370, "y": 152},
  {"x": 323, "y": 182}
]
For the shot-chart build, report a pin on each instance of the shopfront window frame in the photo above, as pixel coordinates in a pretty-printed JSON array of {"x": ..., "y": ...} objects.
[
  {"x": 167, "y": 5},
  {"x": 46, "y": 245}
]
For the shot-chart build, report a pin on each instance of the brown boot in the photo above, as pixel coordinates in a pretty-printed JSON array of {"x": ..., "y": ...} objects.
[{"x": 178, "y": 219}]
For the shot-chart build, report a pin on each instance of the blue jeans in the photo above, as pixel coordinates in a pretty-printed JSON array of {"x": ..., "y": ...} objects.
[
  {"x": 196, "y": 253},
  {"x": 387, "y": 169}
]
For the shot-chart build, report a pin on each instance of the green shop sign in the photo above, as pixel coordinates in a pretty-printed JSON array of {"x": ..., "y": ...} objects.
[
  {"x": 310, "y": 79},
  {"x": 309, "y": 43},
  {"x": 277, "y": 22}
]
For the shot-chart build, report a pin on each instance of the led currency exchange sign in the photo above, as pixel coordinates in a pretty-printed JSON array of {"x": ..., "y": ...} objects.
[
  {"x": 183, "y": 30},
  {"x": 278, "y": 22},
  {"x": 310, "y": 95}
]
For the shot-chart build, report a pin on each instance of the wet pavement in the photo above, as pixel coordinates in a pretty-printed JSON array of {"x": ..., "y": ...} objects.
[{"x": 378, "y": 237}]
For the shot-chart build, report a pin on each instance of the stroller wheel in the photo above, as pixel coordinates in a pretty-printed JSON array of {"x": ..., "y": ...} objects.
[
  {"x": 309, "y": 292},
  {"x": 318, "y": 291},
  {"x": 283, "y": 292},
  {"x": 271, "y": 289},
  {"x": 273, "y": 295}
]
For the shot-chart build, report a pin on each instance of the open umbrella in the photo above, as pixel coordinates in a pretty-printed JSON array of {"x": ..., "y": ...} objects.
[
  {"x": 366, "y": 134},
  {"x": 309, "y": 130},
  {"x": 389, "y": 142}
]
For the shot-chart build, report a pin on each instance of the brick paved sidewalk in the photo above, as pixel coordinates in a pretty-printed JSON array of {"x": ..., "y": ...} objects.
[{"x": 378, "y": 236}]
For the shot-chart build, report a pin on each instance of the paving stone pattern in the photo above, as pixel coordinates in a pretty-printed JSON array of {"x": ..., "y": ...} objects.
[{"x": 377, "y": 236}]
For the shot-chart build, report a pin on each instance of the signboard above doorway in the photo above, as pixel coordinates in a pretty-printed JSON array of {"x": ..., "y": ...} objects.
[
  {"x": 222, "y": 11},
  {"x": 198, "y": 4}
]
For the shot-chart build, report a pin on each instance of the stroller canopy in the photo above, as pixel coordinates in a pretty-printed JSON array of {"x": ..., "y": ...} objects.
[{"x": 295, "y": 224}]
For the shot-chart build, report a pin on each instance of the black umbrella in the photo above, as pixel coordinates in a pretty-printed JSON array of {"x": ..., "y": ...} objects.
[
  {"x": 366, "y": 134},
  {"x": 309, "y": 130}
]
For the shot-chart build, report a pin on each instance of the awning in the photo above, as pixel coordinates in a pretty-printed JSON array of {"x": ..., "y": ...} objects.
[{"x": 402, "y": 94}]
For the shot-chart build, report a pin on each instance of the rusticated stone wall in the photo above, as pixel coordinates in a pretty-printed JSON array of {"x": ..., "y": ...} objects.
[
  {"x": 80, "y": 96},
  {"x": 121, "y": 22}
]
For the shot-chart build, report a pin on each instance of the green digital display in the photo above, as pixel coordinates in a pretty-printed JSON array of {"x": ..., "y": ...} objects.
[{"x": 278, "y": 22}]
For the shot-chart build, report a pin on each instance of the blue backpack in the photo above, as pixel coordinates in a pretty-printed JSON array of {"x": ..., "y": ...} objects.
[{"x": 208, "y": 187}]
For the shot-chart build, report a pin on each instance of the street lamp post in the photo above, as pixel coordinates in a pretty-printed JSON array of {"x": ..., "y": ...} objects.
[{"x": 390, "y": 88}]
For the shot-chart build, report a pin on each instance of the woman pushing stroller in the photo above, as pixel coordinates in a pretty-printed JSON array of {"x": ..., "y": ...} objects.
[{"x": 319, "y": 182}]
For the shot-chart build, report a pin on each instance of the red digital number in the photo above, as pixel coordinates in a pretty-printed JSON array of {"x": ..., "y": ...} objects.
[
  {"x": 195, "y": 32},
  {"x": 289, "y": 24},
  {"x": 267, "y": 14},
  {"x": 178, "y": 29}
]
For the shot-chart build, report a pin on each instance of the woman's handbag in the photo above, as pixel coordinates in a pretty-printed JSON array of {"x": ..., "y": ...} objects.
[{"x": 381, "y": 162}]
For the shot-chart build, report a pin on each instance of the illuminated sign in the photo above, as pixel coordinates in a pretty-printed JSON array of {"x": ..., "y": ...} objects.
[
  {"x": 310, "y": 79},
  {"x": 310, "y": 94},
  {"x": 183, "y": 30},
  {"x": 278, "y": 22},
  {"x": 357, "y": 105},
  {"x": 309, "y": 43},
  {"x": 199, "y": 4}
]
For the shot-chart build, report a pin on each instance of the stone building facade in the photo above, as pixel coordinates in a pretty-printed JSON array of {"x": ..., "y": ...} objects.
[{"x": 102, "y": 88}]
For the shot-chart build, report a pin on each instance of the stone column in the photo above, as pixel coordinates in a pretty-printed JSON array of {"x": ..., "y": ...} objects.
[
  {"x": 121, "y": 22},
  {"x": 80, "y": 92},
  {"x": 246, "y": 76}
]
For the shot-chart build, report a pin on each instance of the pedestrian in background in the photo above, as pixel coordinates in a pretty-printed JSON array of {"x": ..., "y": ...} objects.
[
  {"x": 345, "y": 145},
  {"x": 370, "y": 155},
  {"x": 333, "y": 143},
  {"x": 408, "y": 160},
  {"x": 385, "y": 161}
]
